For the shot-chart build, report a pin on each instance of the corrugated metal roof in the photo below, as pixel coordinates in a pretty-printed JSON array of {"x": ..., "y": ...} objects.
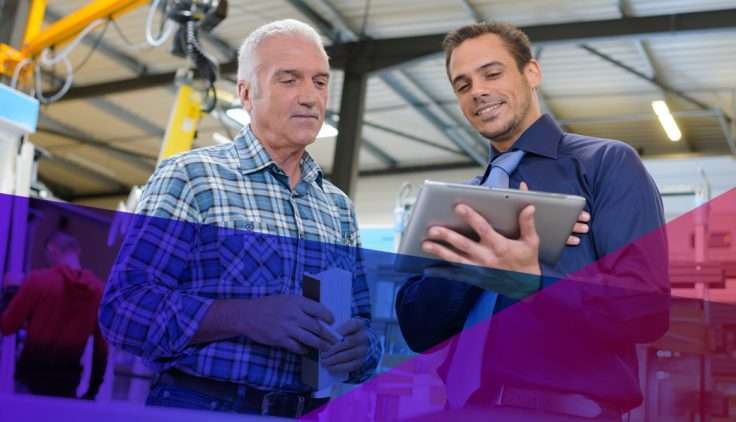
[{"x": 588, "y": 93}]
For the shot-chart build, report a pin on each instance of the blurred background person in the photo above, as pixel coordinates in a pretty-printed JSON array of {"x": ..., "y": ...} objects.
[{"x": 58, "y": 305}]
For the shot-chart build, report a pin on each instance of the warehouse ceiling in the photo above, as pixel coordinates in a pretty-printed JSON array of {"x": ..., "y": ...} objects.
[{"x": 104, "y": 136}]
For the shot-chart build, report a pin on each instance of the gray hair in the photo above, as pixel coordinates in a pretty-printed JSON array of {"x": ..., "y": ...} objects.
[{"x": 246, "y": 69}]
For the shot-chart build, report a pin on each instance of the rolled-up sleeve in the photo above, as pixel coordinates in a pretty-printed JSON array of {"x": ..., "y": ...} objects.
[{"x": 143, "y": 310}]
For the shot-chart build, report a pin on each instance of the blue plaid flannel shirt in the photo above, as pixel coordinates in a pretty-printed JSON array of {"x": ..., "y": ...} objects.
[{"x": 222, "y": 222}]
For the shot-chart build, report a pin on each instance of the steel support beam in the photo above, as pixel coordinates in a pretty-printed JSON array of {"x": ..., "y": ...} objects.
[
  {"x": 668, "y": 89},
  {"x": 379, "y": 153},
  {"x": 434, "y": 115},
  {"x": 540, "y": 94},
  {"x": 66, "y": 192},
  {"x": 456, "y": 134},
  {"x": 350, "y": 127},
  {"x": 624, "y": 7},
  {"x": 733, "y": 113},
  {"x": 370, "y": 146},
  {"x": 653, "y": 73},
  {"x": 141, "y": 161},
  {"x": 728, "y": 132},
  {"x": 653, "y": 80},
  {"x": 411, "y": 137},
  {"x": 389, "y": 52},
  {"x": 472, "y": 11},
  {"x": 383, "y": 53},
  {"x": 221, "y": 45}
]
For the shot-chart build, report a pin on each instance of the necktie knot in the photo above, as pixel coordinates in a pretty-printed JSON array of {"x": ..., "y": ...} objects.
[{"x": 501, "y": 168}]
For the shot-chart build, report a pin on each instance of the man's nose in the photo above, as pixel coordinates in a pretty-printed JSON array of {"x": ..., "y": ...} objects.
[
  {"x": 479, "y": 93},
  {"x": 308, "y": 96}
]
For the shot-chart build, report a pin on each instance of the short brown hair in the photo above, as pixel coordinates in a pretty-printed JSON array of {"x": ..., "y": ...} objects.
[{"x": 516, "y": 41}]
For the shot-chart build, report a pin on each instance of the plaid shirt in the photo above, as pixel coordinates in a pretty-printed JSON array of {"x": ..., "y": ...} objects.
[{"x": 222, "y": 222}]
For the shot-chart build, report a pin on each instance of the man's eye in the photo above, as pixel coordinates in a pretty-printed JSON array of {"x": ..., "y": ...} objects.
[
  {"x": 493, "y": 75},
  {"x": 462, "y": 88},
  {"x": 320, "y": 84},
  {"x": 288, "y": 81}
]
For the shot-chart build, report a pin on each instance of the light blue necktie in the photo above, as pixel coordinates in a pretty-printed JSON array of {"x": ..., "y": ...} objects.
[
  {"x": 501, "y": 168},
  {"x": 464, "y": 373}
]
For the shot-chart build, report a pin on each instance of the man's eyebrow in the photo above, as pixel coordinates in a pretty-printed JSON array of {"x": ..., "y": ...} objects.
[
  {"x": 287, "y": 72},
  {"x": 489, "y": 65},
  {"x": 480, "y": 68},
  {"x": 323, "y": 75},
  {"x": 458, "y": 78}
]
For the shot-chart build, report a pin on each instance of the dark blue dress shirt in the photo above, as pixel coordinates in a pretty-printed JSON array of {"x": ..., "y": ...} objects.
[{"x": 580, "y": 338}]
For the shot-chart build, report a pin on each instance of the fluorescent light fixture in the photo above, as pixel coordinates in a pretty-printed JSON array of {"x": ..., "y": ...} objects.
[
  {"x": 220, "y": 138},
  {"x": 239, "y": 115},
  {"x": 327, "y": 131},
  {"x": 243, "y": 118},
  {"x": 666, "y": 120}
]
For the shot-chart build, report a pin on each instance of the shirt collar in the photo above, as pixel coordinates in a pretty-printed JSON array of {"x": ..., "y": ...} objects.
[
  {"x": 541, "y": 138},
  {"x": 254, "y": 158}
]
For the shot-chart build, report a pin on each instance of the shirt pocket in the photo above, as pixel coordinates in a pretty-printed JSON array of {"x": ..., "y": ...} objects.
[{"x": 243, "y": 260}]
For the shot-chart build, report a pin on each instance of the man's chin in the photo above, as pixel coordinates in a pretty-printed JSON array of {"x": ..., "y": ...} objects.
[
  {"x": 497, "y": 132},
  {"x": 305, "y": 138}
]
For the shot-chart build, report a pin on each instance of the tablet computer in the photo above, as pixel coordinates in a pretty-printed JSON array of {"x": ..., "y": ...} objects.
[{"x": 555, "y": 216}]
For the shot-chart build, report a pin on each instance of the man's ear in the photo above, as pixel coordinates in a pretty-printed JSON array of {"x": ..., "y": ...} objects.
[
  {"x": 533, "y": 73},
  {"x": 245, "y": 94}
]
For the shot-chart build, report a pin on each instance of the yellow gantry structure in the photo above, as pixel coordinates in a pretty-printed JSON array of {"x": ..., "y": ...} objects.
[
  {"x": 65, "y": 29},
  {"x": 186, "y": 113}
]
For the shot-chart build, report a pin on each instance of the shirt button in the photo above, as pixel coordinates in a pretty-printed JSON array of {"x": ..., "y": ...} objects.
[
  {"x": 249, "y": 226},
  {"x": 213, "y": 405}
]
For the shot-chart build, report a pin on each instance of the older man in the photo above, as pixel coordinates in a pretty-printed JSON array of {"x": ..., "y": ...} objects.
[{"x": 217, "y": 312}]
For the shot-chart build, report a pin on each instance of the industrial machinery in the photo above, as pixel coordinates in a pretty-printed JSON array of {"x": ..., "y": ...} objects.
[{"x": 24, "y": 67}]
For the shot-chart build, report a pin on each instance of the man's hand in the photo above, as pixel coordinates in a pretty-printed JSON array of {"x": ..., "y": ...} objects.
[
  {"x": 348, "y": 355},
  {"x": 580, "y": 228},
  {"x": 288, "y": 321},
  {"x": 492, "y": 250}
]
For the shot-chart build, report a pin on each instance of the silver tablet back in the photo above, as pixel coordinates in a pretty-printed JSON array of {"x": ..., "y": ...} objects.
[{"x": 555, "y": 216}]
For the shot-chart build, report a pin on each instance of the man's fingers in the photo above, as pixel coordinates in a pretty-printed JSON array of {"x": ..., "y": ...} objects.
[
  {"x": 442, "y": 252},
  {"x": 573, "y": 241},
  {"x": 294, "y": 347},
  {"x": 580, "y": 228},
  {"x": 345, "y": 367},
  {"x": 527, "y": 228},
  {"x": 315, "y": 327},
  {"x": 523, "y": 186},
  {"x": 309, "y": 339},
  {"x": 479, "y": 224},
  {"x": 461, "y": 243},
  {"x": 584, "y": 216},
  {"x": 354, "y": 354},
  {"x": 317, "y": 310},
  {"x": 351, "y": 326}
]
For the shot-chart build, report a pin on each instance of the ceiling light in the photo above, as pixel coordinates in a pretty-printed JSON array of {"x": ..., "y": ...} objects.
[
  {"x": 666, "y": 120},
  {"x": 220, "y": 138}
]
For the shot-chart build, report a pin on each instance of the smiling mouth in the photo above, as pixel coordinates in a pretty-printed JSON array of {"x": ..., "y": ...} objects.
[
  {"x": 488, "y": 109},
  {"x": 305, "y": 116}
]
